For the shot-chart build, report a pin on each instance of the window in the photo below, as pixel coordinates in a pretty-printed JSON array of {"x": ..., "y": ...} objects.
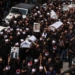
[{"x": 18, "y": 11}]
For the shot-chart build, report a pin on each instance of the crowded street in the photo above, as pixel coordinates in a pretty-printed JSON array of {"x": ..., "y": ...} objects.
[{"x": 37, "y": 39}]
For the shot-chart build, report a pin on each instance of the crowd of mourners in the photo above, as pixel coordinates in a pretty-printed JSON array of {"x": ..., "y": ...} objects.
[{"x": 51, "y": 48}]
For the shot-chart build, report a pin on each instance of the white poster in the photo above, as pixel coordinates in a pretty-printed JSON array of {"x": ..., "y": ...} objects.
[
  {"x": 14, "y": 52},
  {"x": 36, "y": 27}
]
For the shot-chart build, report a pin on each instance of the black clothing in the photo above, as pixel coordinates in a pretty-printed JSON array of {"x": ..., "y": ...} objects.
[{"x": 41, "y": 73}]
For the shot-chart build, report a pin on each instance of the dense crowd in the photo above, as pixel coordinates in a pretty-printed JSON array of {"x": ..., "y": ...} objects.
[{"x": 48, "y": 52}]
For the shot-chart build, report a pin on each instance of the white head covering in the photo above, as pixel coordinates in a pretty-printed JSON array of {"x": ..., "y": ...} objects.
[
  {"x": 16, "y": 44},
  {"x": 11, "y": 29},
  {"x": 29, "y": 63},
  {"x": 5, "y": 36},
  {"x": 42, "y": 21},
  {"x": 7, "y": 67},
  {"x": 59, "y": 8},
  {"x": 6, "y": 40},
  {"x": 17, "y": 29},
  {"x": 38, "y": 12},
  {"x": 73, "y": 63},
  {"x": 8, "y": 31},
  {"x": 18, "y": 33},
  {"x": 37, "y": 7},
  {"x": 36, "y": 60},
  {"x": 35, "y": 14},
  {"x": 41, "y": 38},
  {"x": 23, "y": 32},
  {"x": 28, "y": 36},
  {"x": 1, "y": 33},
  {"x": 40, "y": 16},
  {"x": 48, "y": 13},
  {"x": 68, "y": 22},
  {"x": 22, "y": 40},
  {"x": 15, "y": 22},
  {"x": 33, "y": 70},
  {"x": 40, "y": 67},
  {"x": 63, "y": 3},
  {"x": 20, "y": 30},
  {"x": 50, "y": 3},
  {"x": 46, "y": 53},
  {"x": 27, "y": 28},
  {"x": 54, "y": 47},
  {"x": 17, "y": 71},
  {"x": 5, "y": 29},
  {"x": 53, "y": 41},
  {"x": 45, "y": 19},
  {"x": 8, "y": 27}
]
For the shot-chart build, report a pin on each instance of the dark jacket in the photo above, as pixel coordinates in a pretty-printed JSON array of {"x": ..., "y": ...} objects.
[{"x": 51, "y": 73}]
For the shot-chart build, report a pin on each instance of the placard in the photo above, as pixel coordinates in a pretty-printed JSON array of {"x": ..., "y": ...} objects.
[
  {"x": 36, "y": 27},
  {"x": 14, "y": 52}
]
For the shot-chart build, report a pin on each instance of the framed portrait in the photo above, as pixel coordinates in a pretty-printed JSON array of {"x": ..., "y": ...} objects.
[
  {"x": 36, "y": 27},
  {"x": 14, "y": 52}
]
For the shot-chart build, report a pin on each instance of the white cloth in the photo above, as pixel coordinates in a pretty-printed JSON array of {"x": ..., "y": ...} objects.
[
  {"x": 2, "y": 27},
  {"x": 32, "y": 38},
  {"x": 53, "y": 15},
  {"x": 56, "y": 25},
  {"x": 26, "y": 44}
]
